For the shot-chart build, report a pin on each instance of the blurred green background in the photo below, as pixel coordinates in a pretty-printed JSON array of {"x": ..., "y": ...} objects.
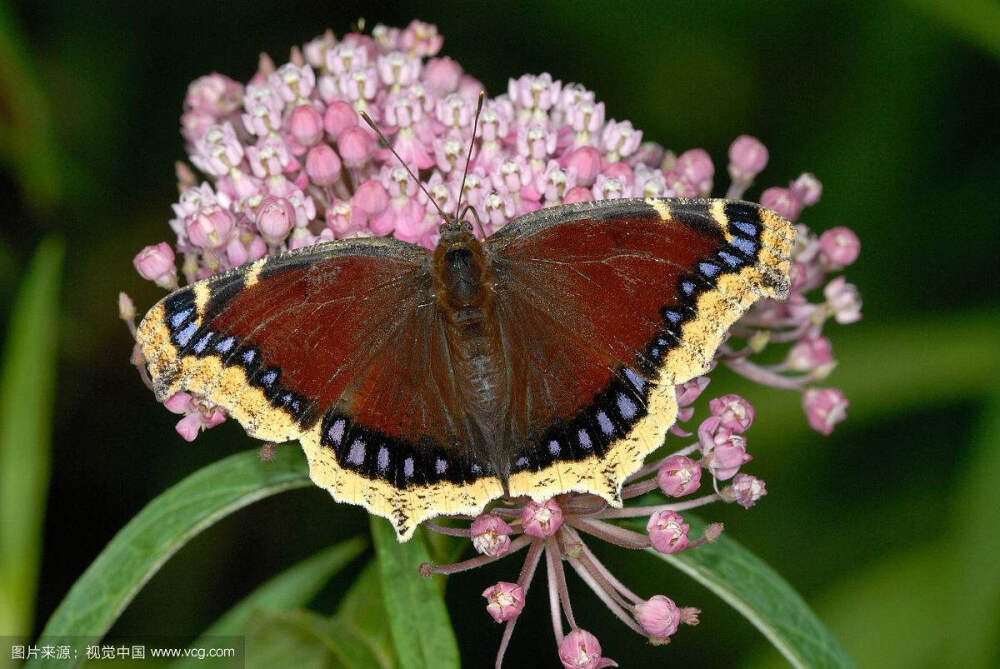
[{"x": 889, "y": 528}]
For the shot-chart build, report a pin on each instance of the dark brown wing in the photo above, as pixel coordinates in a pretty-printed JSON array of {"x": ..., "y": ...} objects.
[
  {"x": 330, "y": 345},
  {"x": 603, "y": 307}
]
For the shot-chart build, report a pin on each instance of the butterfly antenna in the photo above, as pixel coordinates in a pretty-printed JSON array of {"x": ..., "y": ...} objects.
[
  {"x": 475, "y": 214},
  {"x": 472, "y": 143},
  {"x": 385, "y": 142}
]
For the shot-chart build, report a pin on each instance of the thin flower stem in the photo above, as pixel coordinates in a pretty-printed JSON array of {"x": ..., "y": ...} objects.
[
  {"x": 609, "y": 601},
  {"x": 653, "y": 466},
  {"x": 523, "y": 580},
  {"x": 760, "y": 375},
  {"x": 553, "y": 555},
  {"x": 597, "y": 570},
  {"x": 736, "y": 190},
  {"x": 640, "y": 488},
  {"x": 613, "y": 534},
  {"x": 604, "y": 571},
  {"x": 554, "y": 608},
  {"x": 636, "y": 511},
  {"x": 477, "y": 561},
  {"x": 450, "y": 531}
]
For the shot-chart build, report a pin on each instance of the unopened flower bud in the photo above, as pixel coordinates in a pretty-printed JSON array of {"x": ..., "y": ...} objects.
[
  {"x": 156, "y": 263},
  {"x": 306, "y": 125},
  {"x": 210, "y": 228},
  {"x": 339, "y": 116},
  {"x": 323, "y": 165},
  {"x": 747, "y": 158},
  {"x": 782, "y": 201},
  {"x": 839, "y": 247},
  {"x": 355, "y": 146},
  {"x": 586, "y": 161},
  {"x": 659, "y": 618},
  {"x": 275, "y": 219}
]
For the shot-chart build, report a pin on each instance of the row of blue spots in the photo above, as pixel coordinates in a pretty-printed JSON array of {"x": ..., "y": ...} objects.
[{"x": 374, "y": 455}]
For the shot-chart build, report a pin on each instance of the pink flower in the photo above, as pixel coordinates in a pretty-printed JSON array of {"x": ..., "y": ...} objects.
[
  {"x": 678, "y": 476},
  {"x": 210, "y": 228},
  {"x": 541, "y": 520},
  {"x": 697, "y": 169},
  {"x": 323, "y": 165},
  {"x": 824, "y": 407},
  {"x": 736, "y": 413},
  {"x": 620, "y": 140},
  {"x": 355, "y": 146},
  {"x": 585, "y": 162},
  {"x": 782, "y": 201},
  {"x": 727, "y": 457},
  {"x": 844, "y": 300},
  {"x": 667, "y": 531},
  {"x": 504, "y": 601},
  {"x": 286, "y": 163},
  {"x": 198, "y": 416},
  {"x": 578, "y": 194},
  {"x": 581, "y": 650},
  {"x": 441, "y": 76},
  {"x": 745, "y": 490},
  {"x": 747, "y": 158},
  {"x": 839, "y": 247},
  {"x": 156, "y": 263},
  {"x": 339, "y": 116},
  {"x": 421, "y": 39},
  {"x": 812, "y": 354},
  {"x": 807, "y": 189},
  {"x": 306, "y": 125},
  {"x": 491, "y": 535},
  {"x": 660, "y": 617},
  {"x": 275, "y": 219},
  {"x": 369, "y": 201}
]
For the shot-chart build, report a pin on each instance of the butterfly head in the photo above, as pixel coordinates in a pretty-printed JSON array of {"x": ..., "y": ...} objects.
[{"x": 453, "y": 230}]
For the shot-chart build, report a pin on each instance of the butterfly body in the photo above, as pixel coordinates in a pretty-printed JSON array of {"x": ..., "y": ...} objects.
[{"x": 538, "y": 362}]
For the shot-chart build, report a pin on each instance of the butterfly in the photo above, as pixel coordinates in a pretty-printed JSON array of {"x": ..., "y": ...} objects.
[{"x": 420, "y": 383}]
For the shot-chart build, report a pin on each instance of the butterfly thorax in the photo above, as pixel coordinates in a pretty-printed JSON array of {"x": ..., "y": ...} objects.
[{"x": 463, "y": 289}]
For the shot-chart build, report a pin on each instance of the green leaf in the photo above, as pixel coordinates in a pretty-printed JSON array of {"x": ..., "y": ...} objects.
[
  {"x": 974, "y": 547},
  {"x": 421, "y": 630},
  {"x": 291, "y": 589},
  {"x": 363, "y": 608},
  {"x": 99, "y": 596},
  {"x": 760, "y": 595},
  {"x": 27, "y": 138},
  {"x": 305, "y": 640},
  {"x": 900, "y": 597},
  {"x": 27, "y": 389},
  {"x": 975, "y": 21}
]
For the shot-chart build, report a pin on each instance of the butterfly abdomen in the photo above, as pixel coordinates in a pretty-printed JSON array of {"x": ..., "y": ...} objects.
[{"x": 464, "y": 295}]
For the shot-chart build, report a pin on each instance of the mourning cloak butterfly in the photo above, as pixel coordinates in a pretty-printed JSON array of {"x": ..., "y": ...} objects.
[{"x": 421, "y": 383}]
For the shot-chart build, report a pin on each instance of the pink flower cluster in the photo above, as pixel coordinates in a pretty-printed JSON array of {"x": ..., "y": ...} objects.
[
  {"x": 286, "y": 161},
  {"x": 555, "y": 529}
]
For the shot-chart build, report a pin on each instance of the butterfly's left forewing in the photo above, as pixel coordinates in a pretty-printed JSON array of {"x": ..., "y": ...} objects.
[
  {"x": 609, "y": 304},
  {"x": 330, "y": 345}
]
